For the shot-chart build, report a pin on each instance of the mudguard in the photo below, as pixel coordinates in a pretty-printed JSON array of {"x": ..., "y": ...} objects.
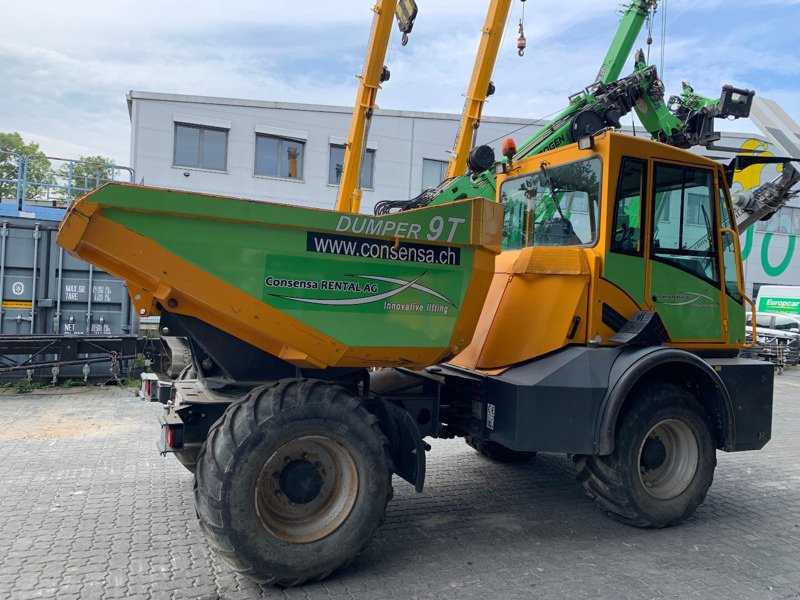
[{"x": 634, "y": 364}]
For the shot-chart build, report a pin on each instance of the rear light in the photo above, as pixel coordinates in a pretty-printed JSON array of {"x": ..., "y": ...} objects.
[{"x": 169, "y": 436}]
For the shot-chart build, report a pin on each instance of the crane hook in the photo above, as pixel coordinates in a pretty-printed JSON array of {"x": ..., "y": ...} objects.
[{"x": 521, "y": 41}]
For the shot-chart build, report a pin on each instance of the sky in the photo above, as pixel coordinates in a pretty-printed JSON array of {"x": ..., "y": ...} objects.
[{"x": 67, "y": 66}]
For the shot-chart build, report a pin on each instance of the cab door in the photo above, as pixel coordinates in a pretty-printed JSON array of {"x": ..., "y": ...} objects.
[
  {"x": 683, "y": 279},
  {"x": 732, "y": 271}
]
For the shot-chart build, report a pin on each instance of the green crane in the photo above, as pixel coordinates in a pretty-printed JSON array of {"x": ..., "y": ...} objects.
[{"x": 684, "y": 121}]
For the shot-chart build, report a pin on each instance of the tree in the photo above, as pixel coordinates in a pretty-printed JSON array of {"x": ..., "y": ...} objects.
[
  {"x": 13, "y": 151},
  {"x": 88, "y": 173}
]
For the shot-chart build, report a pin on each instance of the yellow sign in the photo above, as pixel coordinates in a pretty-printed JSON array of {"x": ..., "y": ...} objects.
[{"x": 17, "y": 304}]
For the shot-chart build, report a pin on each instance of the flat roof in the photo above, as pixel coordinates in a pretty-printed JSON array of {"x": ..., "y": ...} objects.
[
  {"x": 409, "y": 114},
  {"x": 241, "y": 102}
]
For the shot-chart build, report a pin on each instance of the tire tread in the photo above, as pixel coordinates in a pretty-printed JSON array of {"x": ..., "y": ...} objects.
[
  {"x": 600, "y": 474},
  {"x": 237, "y": 424}
]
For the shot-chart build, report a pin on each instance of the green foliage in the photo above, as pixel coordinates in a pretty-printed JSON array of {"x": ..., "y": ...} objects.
[
  {"x": 12, "y": 144},
  {"x": 87, "y": 174},
  {"x": 23, "y": 386}
]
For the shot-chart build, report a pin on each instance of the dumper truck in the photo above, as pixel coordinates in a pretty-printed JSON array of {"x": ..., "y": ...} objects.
[
  {"x": 328, "y": 346},
  {"x": 583, "y": 295}
]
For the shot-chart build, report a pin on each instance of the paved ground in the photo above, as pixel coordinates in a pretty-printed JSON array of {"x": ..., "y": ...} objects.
[{"x": 89, "y": 510}]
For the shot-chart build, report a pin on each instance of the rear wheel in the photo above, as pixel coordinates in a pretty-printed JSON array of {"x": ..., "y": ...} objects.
[
  {"x": 496, "y": 452},
  {"x": 662, "y": 464},
  {"x": 293, "y": 481}
]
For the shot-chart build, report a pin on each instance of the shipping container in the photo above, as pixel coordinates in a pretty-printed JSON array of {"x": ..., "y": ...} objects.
[{"x": 45, "y": 291}]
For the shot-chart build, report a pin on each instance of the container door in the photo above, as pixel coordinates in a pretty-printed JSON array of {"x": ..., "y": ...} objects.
[{"x": 22, "y": 260}]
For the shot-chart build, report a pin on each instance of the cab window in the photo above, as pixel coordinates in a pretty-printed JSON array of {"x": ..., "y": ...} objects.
[
  {"x": 627, "y": 237},
  {"x": 687, "y": 239},
  {"x": 728, "y": 251},
  {"x": 553, "y": 206}
]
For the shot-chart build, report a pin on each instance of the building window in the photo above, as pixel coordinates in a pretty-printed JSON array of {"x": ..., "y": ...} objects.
[
  {"x": 200, "y": 147},
  {"x": 279, "y": 157},
  {"x": 433, "y": 172},
  {"x": 336, "y": 167}
]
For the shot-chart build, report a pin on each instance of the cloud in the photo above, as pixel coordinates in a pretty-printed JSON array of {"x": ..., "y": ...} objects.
[{"x": 67, "y": 71}]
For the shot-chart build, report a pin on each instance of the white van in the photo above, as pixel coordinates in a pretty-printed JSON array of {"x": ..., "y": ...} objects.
[{"x": 779, "y": 299}]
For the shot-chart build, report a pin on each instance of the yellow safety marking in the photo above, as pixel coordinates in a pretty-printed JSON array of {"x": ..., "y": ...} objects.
[{"x": 17, "y": 304}]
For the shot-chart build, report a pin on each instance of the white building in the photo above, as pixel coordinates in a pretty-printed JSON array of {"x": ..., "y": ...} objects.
[
  {"x": 292, "y": 153},
  {"x": 245, "y": 146}
]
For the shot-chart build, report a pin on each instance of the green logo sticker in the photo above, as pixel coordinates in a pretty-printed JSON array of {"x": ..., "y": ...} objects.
[{"x": 784, "y": 305}]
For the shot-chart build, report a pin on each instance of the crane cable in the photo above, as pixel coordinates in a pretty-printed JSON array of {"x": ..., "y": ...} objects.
[
  {"x": 663, "y": 39},
  {"x": 521, "y": 41},
  {"x": 650, "y": 18},
  {"x": 505, "y": 29}
]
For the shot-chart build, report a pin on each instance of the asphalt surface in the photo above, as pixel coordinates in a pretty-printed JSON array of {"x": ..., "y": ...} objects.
[{"x": 88, "y": 509}]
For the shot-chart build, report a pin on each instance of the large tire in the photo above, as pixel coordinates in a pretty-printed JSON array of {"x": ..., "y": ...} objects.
[
  {"x": 497, "y": 452},
  {"x": 293, "y": 481},
  {"x": 662, "y": 464}
]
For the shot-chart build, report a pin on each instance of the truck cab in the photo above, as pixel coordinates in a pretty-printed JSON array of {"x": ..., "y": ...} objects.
[{"x": 594, "y": 233}]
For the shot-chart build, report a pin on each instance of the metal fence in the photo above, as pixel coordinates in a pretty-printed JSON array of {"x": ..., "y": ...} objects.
[
  {"x": 43, "y": 186},
  {"x": 59, "y": 316}
]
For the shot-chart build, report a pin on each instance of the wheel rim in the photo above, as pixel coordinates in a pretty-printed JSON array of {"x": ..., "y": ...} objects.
[
  {"x": 668, "y": 459},
  {"x": 306, "y": 489}
]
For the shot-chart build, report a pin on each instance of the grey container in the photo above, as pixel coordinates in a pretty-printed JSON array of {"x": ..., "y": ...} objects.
[{"x": 47, "y": 291}]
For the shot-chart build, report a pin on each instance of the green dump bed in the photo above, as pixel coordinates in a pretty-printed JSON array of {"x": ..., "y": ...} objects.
[{"x": 314, "y": 287}]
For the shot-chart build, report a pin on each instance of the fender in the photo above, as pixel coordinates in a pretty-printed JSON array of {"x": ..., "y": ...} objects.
[
  {"x": 631, "y": 366},
  {"x": 406, "y": 446}
]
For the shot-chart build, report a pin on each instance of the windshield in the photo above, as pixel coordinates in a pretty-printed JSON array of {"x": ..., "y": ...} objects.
[{"x": 555, "y": 206}]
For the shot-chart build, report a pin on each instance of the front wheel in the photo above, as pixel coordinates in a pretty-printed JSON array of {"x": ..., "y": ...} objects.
[
  {"x": 662, "y": 464},
  {"x": 293, "y": 481}
]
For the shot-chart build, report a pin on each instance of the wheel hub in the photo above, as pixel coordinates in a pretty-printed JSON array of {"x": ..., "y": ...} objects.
[
  {"x": 668, "y": 459},
  {"x": 654, "y": 453},
  {"x": 306, "y": 489},
  {"x": 300, "y": 481}
]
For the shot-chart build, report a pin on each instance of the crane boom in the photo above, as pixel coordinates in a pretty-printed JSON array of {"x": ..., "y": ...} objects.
[
  {"x": 598, "y": 104},
  {"x": 684, "y": 121},
  {"x": 621, "y": 46},
  {"x": 349, "y": 197},
  {"x": 478, "y": 89}
]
